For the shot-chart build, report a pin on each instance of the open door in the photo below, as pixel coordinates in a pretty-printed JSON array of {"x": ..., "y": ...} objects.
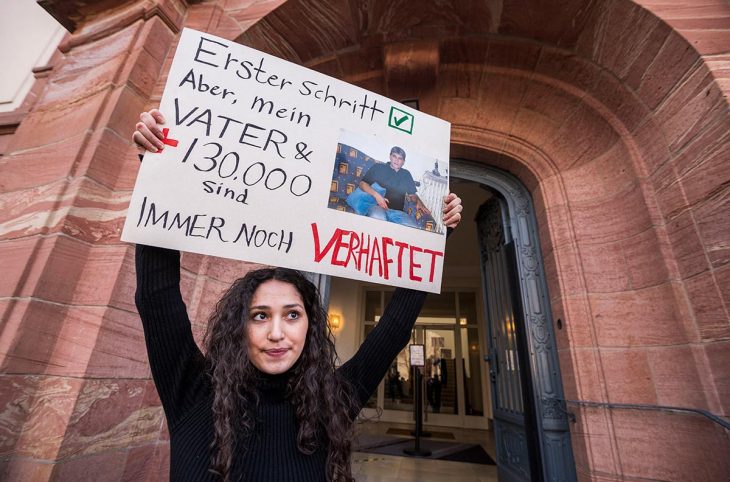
[
  {"x": 514, "y": 429},
  {"x": 533, "y": 440}
]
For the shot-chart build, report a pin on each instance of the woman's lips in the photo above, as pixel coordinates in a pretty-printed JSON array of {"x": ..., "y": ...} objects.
[{"x": 276, "y": 352}]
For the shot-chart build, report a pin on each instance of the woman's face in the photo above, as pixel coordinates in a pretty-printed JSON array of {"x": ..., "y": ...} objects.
[{"x": 277, "y": 327}]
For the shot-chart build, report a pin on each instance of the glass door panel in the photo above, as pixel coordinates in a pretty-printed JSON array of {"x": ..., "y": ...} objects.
[
  {"x": 474, "y": 404},
  {"x": 442, "y": 306},
  {"x": 453, "y": 388},
  {"x": 399, "y": 382},
  {"x": 471, "y": 354},
  {"x": 373, "y": 308},
  {"x": 440, "y": 370}
]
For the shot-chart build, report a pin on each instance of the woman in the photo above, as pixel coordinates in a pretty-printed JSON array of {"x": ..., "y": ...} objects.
[{"x": 265, "y": 403}]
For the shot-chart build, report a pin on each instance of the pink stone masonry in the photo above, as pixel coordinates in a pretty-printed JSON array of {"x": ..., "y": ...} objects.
[{"x": 614, "y": 115}]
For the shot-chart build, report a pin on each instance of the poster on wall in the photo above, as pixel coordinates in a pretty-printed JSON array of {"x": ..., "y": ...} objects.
[{"x": 270, "y": 162}]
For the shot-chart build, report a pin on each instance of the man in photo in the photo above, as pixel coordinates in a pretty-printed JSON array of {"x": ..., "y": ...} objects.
[{"x": 388, "y": 185}]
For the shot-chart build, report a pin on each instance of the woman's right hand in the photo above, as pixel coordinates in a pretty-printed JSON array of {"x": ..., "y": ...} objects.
[{"x": 148, "y": 134}]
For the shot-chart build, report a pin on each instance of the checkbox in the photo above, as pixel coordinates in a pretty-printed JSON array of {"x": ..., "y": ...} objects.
[{"x": 401, "y": 120}]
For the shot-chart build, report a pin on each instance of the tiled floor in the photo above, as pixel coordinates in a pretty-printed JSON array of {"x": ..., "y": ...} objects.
[{"x": 386, "y": 468}]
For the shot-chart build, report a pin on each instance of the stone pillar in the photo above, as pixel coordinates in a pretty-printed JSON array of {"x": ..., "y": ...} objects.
[
  {"x": 76, "y": 396},
  {"x": 76, "y": 399}
]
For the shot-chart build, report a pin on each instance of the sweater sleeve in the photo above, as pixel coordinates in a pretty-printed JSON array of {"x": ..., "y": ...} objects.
[
  {"x": 176, "y": 362},
  {"x": 382, "y": 345}
]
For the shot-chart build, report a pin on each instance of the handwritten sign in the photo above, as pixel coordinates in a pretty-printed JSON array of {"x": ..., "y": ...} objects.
[{"x": 270, "y": 162}]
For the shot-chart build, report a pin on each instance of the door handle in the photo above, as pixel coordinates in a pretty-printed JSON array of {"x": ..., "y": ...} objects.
[
  {"x": 492, "y": 360},
  {"x": 493, "y": 365}
]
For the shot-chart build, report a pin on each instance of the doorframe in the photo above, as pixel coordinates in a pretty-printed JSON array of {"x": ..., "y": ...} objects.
[{"x": 548, "y": 400}]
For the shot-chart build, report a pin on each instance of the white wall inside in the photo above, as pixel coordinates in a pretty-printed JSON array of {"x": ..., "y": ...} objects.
[
  {"x": 28, "y": 37},
  {"x": 346, "y": 301}
]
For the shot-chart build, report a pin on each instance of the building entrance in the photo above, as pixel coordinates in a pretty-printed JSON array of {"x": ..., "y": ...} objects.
[
  {"x": 455, "y": 384},
  {"x": 530, "y": 419},
  {"x": 489, "y": 340}
]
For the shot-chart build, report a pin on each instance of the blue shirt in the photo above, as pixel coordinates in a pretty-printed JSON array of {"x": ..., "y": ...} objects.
[{"x": 396, "y": 183}]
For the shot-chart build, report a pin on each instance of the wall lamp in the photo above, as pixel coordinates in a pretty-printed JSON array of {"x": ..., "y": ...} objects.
[{"x": 334, "y": 321}]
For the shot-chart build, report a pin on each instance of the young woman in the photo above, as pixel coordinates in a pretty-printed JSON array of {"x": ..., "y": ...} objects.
[{"x": 265, "y": 402}]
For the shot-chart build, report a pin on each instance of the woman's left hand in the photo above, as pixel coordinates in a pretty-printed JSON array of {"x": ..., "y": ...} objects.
[{"x": 452, "y": 210}]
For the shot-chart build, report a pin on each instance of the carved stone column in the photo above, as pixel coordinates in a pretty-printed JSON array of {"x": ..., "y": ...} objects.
[{"x": 75, "y": 385}]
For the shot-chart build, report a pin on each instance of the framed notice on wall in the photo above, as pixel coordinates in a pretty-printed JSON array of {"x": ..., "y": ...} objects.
[
  {"x": 270, "y": 162},
  {"x": 417, "y": 355}
]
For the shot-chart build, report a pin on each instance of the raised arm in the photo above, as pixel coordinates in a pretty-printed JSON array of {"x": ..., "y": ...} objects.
[{"x": 176, "y": 362}]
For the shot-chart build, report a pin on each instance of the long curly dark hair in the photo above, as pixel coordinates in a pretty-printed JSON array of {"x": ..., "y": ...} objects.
[{"x": 323, "y": 401}]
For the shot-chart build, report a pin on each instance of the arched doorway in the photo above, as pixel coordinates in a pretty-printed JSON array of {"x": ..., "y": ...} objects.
[
  {"x": 524, "y": 402},
  {"x": 602, "y": 103}
]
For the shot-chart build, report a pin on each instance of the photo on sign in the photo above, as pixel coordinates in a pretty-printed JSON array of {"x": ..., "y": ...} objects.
[{"x": 388, "y": 182}]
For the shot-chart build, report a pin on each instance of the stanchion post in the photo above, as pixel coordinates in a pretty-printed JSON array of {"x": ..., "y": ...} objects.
[{"x": 418, "y": 402}]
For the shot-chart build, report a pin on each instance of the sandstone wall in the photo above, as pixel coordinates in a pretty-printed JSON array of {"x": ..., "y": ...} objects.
[{"x": 614, "y": 114}]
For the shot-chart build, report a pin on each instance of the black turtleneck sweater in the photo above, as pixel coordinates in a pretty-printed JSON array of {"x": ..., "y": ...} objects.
[{"x": 186, "y": 393}]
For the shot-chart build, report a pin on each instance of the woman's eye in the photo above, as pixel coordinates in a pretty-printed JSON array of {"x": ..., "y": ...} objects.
[
  {"x": 293, "y": 315},
  {"x": 258, "y": 316}
]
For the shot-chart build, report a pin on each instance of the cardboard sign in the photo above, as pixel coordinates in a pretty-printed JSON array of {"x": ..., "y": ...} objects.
[{"x": 270, "y": 162}]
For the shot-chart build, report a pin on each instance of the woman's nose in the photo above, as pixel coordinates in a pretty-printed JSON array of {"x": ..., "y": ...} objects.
[{"x": 275, "y": 332}]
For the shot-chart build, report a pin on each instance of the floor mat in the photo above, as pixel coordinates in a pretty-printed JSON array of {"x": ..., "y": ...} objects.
[
  {"x": 452, "y": 451},
  {"x": 409, "y": 433}
]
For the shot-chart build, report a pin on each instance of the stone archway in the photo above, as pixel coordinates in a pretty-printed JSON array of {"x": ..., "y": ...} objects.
[
  {"x": 616, "y": 115},
  {"x": 596, "y": 108}
]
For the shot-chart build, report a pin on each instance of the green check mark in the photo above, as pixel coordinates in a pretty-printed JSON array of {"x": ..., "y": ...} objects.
[
  {"x": 398, "y": 122},
  {"x": 401, "y": 120}
]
